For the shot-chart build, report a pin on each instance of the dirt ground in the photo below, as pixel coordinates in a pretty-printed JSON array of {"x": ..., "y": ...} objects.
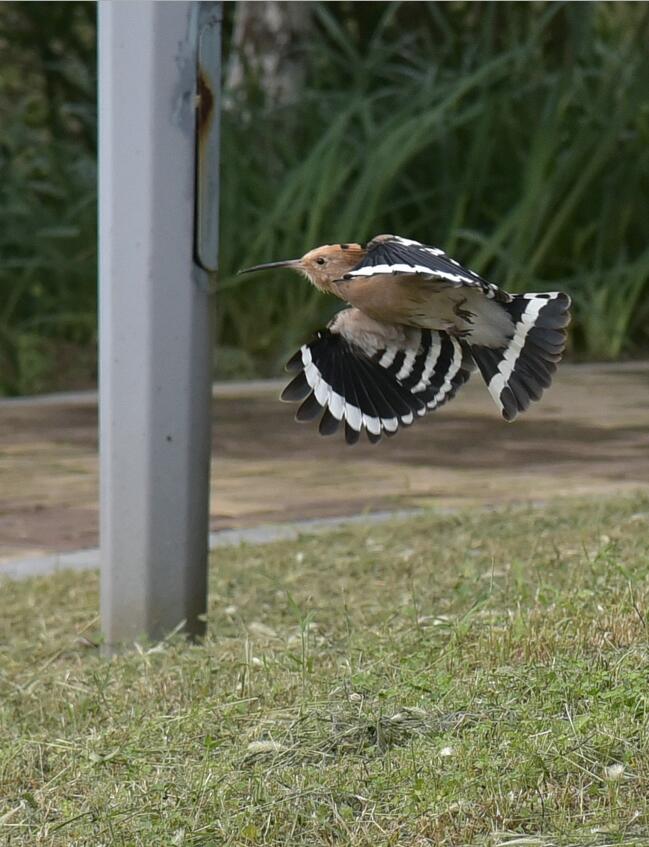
[{"x": 589, "y": 435}]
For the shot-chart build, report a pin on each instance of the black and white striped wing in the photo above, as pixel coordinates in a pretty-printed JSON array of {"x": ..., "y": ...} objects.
[
  {"x": 377, "y": 391},
  {"x": 518, "y": 372},
  {"x": 391, "y": 254}
]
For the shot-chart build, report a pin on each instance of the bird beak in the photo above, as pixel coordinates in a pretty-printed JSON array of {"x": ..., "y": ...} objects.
[{"x": 290, "y": 263}]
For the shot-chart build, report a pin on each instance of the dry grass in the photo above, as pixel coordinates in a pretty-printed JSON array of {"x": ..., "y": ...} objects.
[{"x": 480, "y": 679}]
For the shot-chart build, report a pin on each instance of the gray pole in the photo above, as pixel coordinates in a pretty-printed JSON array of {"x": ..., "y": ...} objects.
[{"x": 155, "y": 340}]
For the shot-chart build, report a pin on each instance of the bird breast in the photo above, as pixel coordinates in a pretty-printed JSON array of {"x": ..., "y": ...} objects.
[{"x": 393, "y": 299}]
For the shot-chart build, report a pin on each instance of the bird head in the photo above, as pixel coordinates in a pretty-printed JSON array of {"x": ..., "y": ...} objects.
[{"x": 321, "y": 266}]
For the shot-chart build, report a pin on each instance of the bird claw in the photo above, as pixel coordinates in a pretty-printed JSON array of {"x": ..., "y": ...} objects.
[
  {"x": 461, "y": 313},
  {"x": 459, "y": 333}
]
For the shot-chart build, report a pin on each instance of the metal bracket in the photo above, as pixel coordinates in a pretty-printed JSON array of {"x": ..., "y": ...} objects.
[{"x": 208, "y": 76}]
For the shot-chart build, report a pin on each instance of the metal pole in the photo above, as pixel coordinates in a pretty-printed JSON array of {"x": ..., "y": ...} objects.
[{"x": 155, "y": 339}]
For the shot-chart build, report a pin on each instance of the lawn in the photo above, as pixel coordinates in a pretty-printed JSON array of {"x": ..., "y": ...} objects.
[{"x": 475, "y": 679}]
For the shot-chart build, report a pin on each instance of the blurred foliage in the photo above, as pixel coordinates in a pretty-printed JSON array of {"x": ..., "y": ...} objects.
[
  {"x": 515, "y": 135},
  {"x": 47, "y": 193}
]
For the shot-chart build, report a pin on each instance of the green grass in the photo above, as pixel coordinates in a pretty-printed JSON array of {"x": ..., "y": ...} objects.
[{"x": 474, "y": 679}]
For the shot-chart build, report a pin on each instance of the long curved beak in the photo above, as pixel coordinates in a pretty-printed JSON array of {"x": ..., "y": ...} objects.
[{"x": 290, "y": 263}]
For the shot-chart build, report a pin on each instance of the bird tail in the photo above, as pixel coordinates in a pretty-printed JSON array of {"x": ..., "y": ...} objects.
[{"x": 518, "y": 372}]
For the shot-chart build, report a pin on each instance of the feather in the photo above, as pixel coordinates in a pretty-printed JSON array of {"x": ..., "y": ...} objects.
[
  {"x": 343, "y": 382},
  {"x": 391, "y": 254}
]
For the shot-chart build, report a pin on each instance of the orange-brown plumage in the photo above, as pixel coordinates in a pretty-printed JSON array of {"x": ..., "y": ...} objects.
[{"x": 322, "y": 265}]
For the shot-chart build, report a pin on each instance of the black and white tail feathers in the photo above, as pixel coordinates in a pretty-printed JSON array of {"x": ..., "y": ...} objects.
[{"x": 517, "y": 373}]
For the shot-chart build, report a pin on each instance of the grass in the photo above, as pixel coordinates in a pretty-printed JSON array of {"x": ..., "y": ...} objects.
[{"x": 476, "y": 679}]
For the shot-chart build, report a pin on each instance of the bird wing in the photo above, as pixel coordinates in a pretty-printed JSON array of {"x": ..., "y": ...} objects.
[
  {"x": 367, "y": 375},
  {"x": 391, "y": 254}
]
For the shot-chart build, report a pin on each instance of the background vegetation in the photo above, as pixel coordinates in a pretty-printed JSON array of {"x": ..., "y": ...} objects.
[
  {"x": 514, "y": 135},
  {"x": 48, "y": 222}
]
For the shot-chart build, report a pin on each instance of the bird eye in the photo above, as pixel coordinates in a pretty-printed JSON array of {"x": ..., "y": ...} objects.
[{"x": 320, "y": 261}]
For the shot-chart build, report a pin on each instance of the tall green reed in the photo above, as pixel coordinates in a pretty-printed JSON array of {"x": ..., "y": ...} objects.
[
  {"x": 516, "y": 138},
  {"x": 48, "y": 226},
  {"x": 514, "y": 135}
]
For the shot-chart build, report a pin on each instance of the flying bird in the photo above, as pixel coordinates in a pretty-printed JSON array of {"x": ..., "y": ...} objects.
[{"x": 418, "y": 324}]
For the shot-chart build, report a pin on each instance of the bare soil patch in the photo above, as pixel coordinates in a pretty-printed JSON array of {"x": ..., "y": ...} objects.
[{"x": 589, "y": 435}]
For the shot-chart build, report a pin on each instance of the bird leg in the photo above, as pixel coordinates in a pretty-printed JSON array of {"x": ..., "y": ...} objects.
[
  {"x": 459, "y": 333},
  {"x": 461, "y": 313}
]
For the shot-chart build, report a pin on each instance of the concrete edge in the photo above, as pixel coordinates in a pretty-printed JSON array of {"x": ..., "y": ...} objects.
[{"x": 88, "y": 560}]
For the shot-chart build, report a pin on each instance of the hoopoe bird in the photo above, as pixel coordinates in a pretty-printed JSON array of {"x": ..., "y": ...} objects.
[{"x": 418, "y": 325}]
